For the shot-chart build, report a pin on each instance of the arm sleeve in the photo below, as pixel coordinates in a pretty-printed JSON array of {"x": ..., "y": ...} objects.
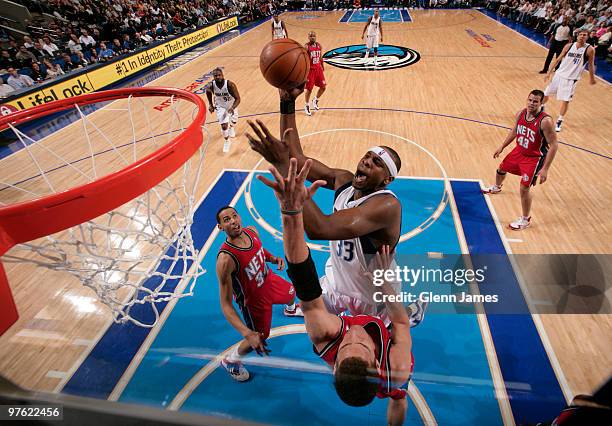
[{"x": 305, "y": 279}]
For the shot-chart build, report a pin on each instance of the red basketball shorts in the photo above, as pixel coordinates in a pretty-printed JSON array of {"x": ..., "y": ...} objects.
[
  {"x": 315, "y": 78},
  {"x": 258, "y": 313},
  {"x": 521, "y": 165}
]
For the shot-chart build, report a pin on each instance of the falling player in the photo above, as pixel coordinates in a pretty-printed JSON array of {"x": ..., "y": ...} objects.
[
  {"x": 279, "y": 30},
  {"x": 536, "y": 146},
  {"x": 226, "y": 100},
  {"x": 374, "y": 36},
  {"x": 242, "y": 270},
  {"x": 573, "y": 57},
  {"x": 366, "y": 214},
  {"x": 315, "y": 75},
  {"x": 367, "y": 359}
]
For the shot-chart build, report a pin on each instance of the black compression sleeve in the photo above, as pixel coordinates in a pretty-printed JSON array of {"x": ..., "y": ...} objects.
[{"x": 305, "y": 279}]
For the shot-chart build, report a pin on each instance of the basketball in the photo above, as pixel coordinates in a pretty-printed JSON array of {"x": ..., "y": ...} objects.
[{"x": 284, "y": 63}]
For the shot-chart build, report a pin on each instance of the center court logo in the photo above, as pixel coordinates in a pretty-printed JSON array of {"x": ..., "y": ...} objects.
[{"x": 389, "y": 57}]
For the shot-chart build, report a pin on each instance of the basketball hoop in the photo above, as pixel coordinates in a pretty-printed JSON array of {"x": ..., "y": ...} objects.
[{"x": 118, "y": 214}]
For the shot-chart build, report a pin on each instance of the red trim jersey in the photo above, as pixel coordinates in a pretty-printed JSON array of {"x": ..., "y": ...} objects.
[
  {"x": 530, "y": 140},
  {"x": 251, "y": 269},
  {"x": 314, "y": 53},
  {"x": 381, "y": 336}
]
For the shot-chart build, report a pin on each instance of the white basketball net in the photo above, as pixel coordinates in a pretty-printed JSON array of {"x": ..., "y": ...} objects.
[{"x": 143, "y": 252}]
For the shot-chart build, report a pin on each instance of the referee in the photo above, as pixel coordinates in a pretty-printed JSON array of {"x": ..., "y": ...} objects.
[{"x": 559, "y": 37}]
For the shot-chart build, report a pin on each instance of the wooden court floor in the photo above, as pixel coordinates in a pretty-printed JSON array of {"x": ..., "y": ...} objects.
[{"x": 454, "y": 102}]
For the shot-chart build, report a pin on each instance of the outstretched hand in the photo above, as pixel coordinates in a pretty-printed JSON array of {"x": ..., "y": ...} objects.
[
  {"x": 291, "y": 191},
  {"x": 291, "y": 94},
  {"x": 274, "y": 150}
]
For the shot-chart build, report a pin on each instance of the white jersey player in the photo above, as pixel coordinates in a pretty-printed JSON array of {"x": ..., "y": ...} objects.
[
  {"x": 374, "y": 35},
  {"x": 573, "y": 60},
  {"x": 279, "y": 30},
  {"x": 226, "y": 100},
  {"x": 347, "y": 284}
]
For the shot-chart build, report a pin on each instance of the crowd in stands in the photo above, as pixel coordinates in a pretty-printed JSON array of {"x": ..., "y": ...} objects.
[
  {"x": 86, "y": 32},
  {"x": 594, "y": 16}
]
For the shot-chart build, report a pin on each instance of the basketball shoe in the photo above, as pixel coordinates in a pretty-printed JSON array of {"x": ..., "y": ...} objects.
[
  {"x": 493, "y": 189},
  {"x": 315, "y": 103},
  {"x": 226, "y": 145},
  {"x": 232, "y": 131},
  {"x": 416, "y": 310},
  {"x": 296, "y": 312},
  {"x": 521, "y": 223},
  {"x": 307, "y": 110},
  {"x": 236, "y": 370},
  {"x": 558, "y": 126}
]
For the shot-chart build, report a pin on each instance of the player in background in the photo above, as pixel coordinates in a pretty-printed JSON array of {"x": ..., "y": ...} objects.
[
  {"x": 279, "y": 30},
  {"x": 225, "y": 104},
  {"x": 367, "y": 359},
  {"x": 536, "y": 146},
  {"x": 242, "y": 270},
  {"x": 374, "y": 36},
  {"x": 315, "y": 75},
  {"x": 573, "y": 58}
]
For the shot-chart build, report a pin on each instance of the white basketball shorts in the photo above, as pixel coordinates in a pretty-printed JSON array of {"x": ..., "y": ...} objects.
[
  {"x": 562, "y": 87},
  {"x": 372, "y": 41},
  {"x": 338, "y": 303},
  {"x": 224, "y": 117}
]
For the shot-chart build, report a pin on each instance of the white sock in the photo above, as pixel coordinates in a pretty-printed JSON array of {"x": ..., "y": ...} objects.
[
  {"x": 367, "y": 54},
  {"x": 225, "y": 133},
  {"x": 234, "y": 356},
  {"x": 560, "y": 118},
  {"x": 291, "y": 307}
]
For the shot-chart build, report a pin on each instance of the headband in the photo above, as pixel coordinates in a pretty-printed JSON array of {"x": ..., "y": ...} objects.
[{"x": 386, "y": 157}]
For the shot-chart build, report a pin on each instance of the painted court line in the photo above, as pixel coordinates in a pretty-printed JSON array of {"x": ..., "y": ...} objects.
[
  {"x": 53, "y": 374},
  {"x": 552, "y": 356},
  {"x": 499, "y": 385}
]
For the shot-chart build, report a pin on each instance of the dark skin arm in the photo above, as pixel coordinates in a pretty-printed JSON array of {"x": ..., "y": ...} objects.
[
  {"x": 369, "y": 218},
  {"x": 278, "y": 151},
  {"x": 233, "y": 90}
]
